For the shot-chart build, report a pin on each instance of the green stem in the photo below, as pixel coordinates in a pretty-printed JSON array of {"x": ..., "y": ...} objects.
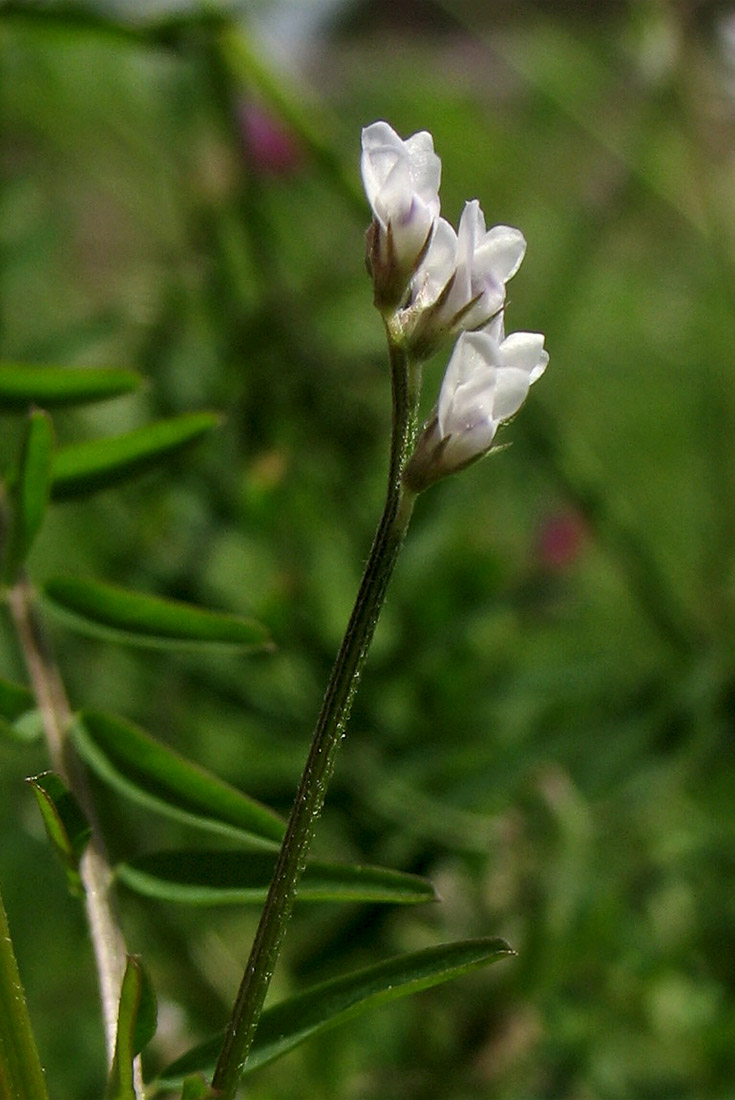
[
  {"x": 105, "y": 933},
  {"x": 21, "y": 1075},
  {"x": 328, "y": 733}
]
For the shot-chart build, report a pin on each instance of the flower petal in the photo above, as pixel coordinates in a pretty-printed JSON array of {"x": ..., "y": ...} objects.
[
  {"x": 470, "y": 369},
  {"x": 469, "y": 444},
  {"x": 523, "y": 350},
  {"x": 500, "y": 252},
  {"x": 472, "y": 224},
  {"x": 496, "y": 327},
  {"x": 540, "y": 367},
  {"x": 477, "y": 354},
  {"x": 395, "y": 197},
  {"x": 511, "y": 390},
  {"x": 524, "y": 360},
  {"x": 469, "y": 233},
  {"x": 437, "y": 267},
  {"x": 426, "y": 167},
  {"x": 381, "y": 148}
]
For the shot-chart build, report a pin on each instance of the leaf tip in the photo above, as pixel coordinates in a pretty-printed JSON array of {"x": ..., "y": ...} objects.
[{"x": 504, "y": 949}]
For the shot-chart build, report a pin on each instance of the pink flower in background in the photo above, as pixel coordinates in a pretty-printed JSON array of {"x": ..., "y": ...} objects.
[
  {"x": 271, "y": 149},
  {"x": 560, "y": 540}
]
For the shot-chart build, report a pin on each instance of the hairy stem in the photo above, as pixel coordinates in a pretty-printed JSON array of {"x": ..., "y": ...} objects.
[
  {"x": 328, "y": 734},
  {"x": 107, "y": 939}
]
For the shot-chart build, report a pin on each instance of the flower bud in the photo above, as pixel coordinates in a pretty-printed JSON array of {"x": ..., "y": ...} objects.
[
  {"x": 460, "y": 284},
  {"x": 486, "y": 382},
  {"x": 401, "y": 180}
]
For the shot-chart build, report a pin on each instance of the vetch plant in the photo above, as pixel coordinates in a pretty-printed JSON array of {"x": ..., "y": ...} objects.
[{"x": 430, "y": 284}]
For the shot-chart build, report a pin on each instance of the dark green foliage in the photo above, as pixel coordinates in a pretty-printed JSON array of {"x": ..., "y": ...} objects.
[{"x": 545, "y": 726}]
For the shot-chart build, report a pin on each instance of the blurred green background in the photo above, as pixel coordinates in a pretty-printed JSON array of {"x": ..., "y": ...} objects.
[{"x": 545, "y": 726}]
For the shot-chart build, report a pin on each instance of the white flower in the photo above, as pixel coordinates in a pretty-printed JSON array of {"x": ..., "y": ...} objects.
[
  {"x": 401, "y": 180},
  {"x": 486, "y": 382},
  {"x": 460, "y": 284}
]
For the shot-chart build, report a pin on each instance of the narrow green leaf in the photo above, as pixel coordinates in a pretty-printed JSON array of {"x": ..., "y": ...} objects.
[
  {"x": 83, "y": 468},
  {"x": 236, "y": 877},
  {"x": 136, "y": 1026},
  {"x": 22, "y": 385},
  {"x": 291, "y": 1022},
  {"x": 136, "y": 618},
  {"x": 21, "y": 1074},
  {"x": 67, "y": 827},
  {"x": 155, "y": 776},
  {"x": 30, "y": 492}
]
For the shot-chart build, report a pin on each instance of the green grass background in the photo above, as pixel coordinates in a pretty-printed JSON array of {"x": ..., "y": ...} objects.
[{"x": 550, "y": 741}]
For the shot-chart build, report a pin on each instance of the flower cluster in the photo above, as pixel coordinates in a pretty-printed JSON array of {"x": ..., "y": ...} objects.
[{"x": 432, "y": 284}]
